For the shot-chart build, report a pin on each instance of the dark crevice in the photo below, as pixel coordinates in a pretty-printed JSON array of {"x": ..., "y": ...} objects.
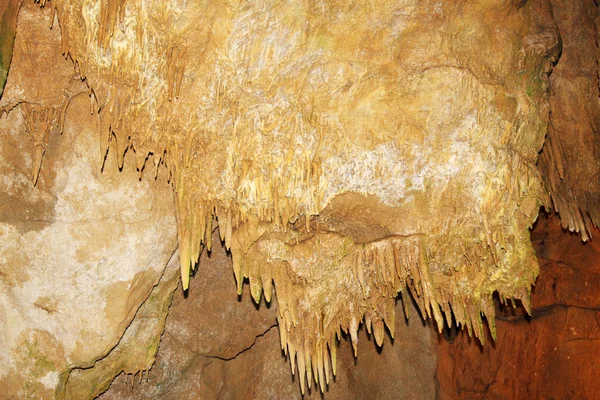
[
  {"x": 204, "y": 367},
  {"x": 243, "y": 350},
  {"x": 541, "y": 312}
]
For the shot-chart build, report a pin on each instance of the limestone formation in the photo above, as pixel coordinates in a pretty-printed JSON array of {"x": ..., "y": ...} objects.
[
  {"x": 82, "y": 249},
  {"x": 345, "y": 151},
  {"x": 570, "y": 159},
  {"x": 218, "y": 346}
]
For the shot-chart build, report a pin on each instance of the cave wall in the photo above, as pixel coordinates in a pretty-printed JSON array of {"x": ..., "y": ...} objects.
[
  {"x": 279, "y": 125},
  {"x": 8, "y": 22},
  {"x": 219, "y": 345},
  {"x": 83, "y": 249},
  {"x": 569, "y": 161},
  {"x": 549, "y": 354},
  {"x": 552, "y": 352},
  {"x": 88, "y": 262}
]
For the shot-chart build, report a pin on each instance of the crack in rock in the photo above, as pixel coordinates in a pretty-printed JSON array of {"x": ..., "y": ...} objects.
[{"x": 243, "y": 350}]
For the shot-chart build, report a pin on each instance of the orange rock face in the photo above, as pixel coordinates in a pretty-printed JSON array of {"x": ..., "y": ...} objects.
[{"x": 550, "y": 354}]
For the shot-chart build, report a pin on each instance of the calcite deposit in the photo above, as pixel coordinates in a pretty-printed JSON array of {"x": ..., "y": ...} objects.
[
  {"x": 217, "y": 345},
  {"x": 570, "y": 161},
  {"x": 345, "y": 151},
  {"x": 80, "y": 251}
]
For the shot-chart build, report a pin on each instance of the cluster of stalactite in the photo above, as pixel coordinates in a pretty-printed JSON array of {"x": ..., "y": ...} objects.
[
  {"x": 327, "y": 284},
  {"x": 569, "y": 160},
  {"x": 246, "y": 122}
]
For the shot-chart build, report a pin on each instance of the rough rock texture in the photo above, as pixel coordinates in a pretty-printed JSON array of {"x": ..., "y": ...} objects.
[
  {"x": 8, "y": 26},
  {"x": 217, "y": 346},
  {"x": 550, "y": 355},
  {"x": 265, "y": 113},
  {"x": 346, "y": 152},
  {"x": 570, "y": 161},
  {"x": 135, "y": 353},
  {"x": 81, "y": 250}
]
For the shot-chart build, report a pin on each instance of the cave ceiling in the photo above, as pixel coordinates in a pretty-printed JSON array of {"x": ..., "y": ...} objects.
[{"x": 346, "y": 152}]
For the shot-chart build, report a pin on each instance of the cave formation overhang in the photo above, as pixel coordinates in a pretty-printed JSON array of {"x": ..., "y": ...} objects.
[{"x": 346, "y": 154}]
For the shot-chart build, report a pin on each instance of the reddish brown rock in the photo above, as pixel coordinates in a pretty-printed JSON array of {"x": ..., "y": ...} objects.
[{"x": 546, "y": 355}]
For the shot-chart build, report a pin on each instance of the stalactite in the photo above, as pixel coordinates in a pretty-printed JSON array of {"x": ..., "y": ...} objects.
[
  {"x": 39, "y": 121},
  {"x": 249, "y": 129},
  {"x": 379, "y": 270}
]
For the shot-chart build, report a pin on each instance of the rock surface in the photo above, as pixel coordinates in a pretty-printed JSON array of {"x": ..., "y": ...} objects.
[
  {"x": 8, "y": 26},
  {"x": 421, "y": 134},
  {"x": 135, "y": 353},
  {"x": 266, "y": 113},
  {"x": 548, "y": 355},
  {"x": 80, "y": 251},
  {"x": 217, "y": 346},
  {"x": 570, "y": 161}
]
